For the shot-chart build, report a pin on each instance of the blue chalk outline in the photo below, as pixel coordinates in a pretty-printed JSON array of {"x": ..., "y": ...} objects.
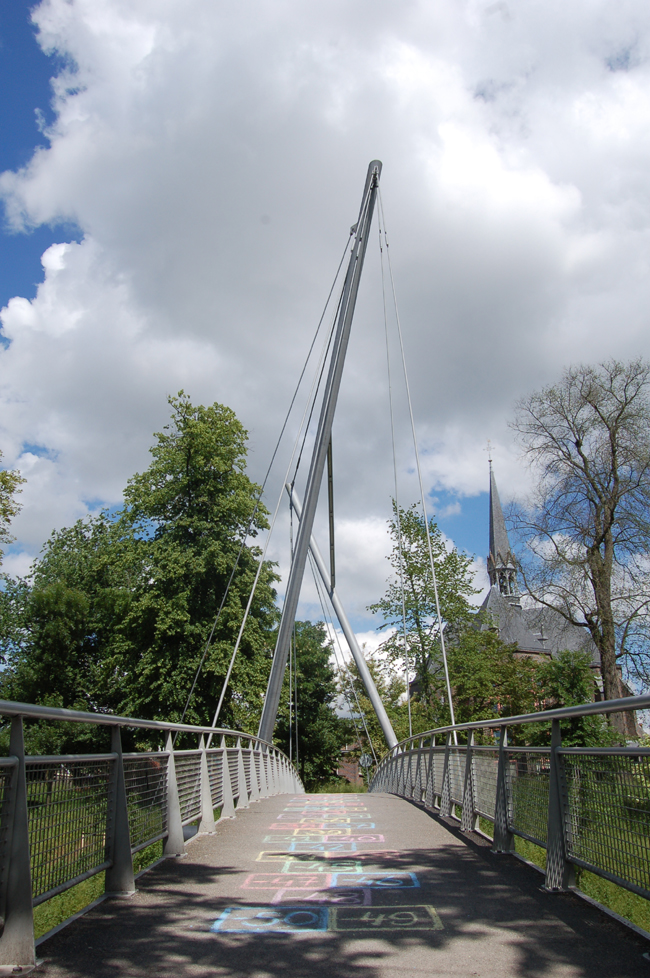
[
  {"x": 378, "y": 885},
  {"x": 321, "y": 922}
]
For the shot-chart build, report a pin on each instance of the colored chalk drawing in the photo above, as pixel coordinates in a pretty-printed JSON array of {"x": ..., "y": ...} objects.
[
  {"x": 360, "y": 897},
  {"x": 385, "y": 918},
  {"x": 320, "y": 881},
  {"x": 385, "y": 881},
  {"x": 307, "y": 825},
  {"x": 271, "y": 920},
  {"x": 279, "y": 919},
  {"x": 273, "y": 881},
  {"x": 298, "y": 835},
  {"x": 321, "y": 846},
  {"x": 293, "y": 866}
]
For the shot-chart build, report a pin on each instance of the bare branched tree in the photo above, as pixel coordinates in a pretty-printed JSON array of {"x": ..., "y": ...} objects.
[{"x": 587, "y": 525}]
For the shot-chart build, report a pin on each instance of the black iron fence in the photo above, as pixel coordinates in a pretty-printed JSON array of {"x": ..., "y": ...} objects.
[
  {"x": 66, "y": 818},
  {"x": 587, "y": 807}
]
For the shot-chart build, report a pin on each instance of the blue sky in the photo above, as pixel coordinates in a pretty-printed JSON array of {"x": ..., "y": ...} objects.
[
  {"x": 25, "y": 73},
  {"x": 203, "y": 163}
]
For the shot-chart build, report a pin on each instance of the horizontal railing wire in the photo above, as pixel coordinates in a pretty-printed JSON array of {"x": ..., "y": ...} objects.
[
  {"x": 215, "y": 776},
  {"x": 608, "y": 815},
  {"x": 67, "y": 803},
  {"x": 188, "y": 779},
  {"x": 145, "y": 779},
  {"x": 604, "y": 793},
  {"x": 527, "y": 774}
]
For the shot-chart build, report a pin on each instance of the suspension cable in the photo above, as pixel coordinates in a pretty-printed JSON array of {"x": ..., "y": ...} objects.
[
  {"x": 398, "y": 515},
  {"x": 320, "y": 589},
  {"x": 310, "y": 399},
  {"x": 419, "y": 470}
]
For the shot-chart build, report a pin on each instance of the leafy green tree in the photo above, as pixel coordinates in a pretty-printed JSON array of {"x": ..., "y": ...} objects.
[
  {"x": 408, "y": 607},
  {"x": 190, "y": 513},
  {"x": 487, "y": 678},
  {"x": 118, "y": 610},
  {"x": 389, "y": 680},
  {"x": 567, "y": 680},
  {"x": 321, "y": 733},
  {"x": 10, "y": 482}
]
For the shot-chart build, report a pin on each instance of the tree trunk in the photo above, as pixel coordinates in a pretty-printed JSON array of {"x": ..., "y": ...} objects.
[{"x": 604, "y": 636}]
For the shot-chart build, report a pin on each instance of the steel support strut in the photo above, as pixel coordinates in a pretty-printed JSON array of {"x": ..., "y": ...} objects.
[
  {"x": 350, "y": 637},
  {"x": 317, "y": 466}
]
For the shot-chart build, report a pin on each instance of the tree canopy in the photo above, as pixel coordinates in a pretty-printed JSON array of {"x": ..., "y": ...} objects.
[
  {"x": 587, "y": 525},
  {"x": 316, "y": 734},
  {"x": 10, "y": 482},
  {"x": 408, "y": 606},
  {"x": 117, "y": 611}
]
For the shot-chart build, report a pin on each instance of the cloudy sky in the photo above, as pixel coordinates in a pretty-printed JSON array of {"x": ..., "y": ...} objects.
[{"x": 179, "y": 181}]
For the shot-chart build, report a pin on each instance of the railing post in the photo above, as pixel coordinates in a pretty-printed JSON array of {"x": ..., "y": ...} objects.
[
  {"x": 264, "y": 780},
  {"x": 17, "y": 941},
  {"x": 399, "y": 773},
  {"x": 227, "y": 804},
  {"x": 206, "y": 825},
  {"x": 445, "y": 798},
  {"x": 418, "y": 773},
  {"x": 430, "y": 787},
  {"x": 255, "y": 785},
  {"x": 119, "y": 879},
  {"x": 469, "y": 818},
  {"x": 503, "y": 837},
  {"x": 242, "y": 800},
  {"x": 274, "y": 773},
  {"x": 560, "y": 873},
  {"x": 174, "y": 843}
]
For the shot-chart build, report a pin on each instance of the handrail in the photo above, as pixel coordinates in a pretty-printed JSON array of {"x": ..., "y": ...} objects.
[
  {"x": 587, "y": 806},
  {"x": 11, "y": 709},
  {"x": 111, "y": 805},
  {"x": 562, "y": 713}
]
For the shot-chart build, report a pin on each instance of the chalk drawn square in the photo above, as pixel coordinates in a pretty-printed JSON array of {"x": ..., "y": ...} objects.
[
  {"x": 275, "y": 881},
  {"x": 271, "y": 920},
  {"x": 381, "y": 919},
  {"x": 377, "y": 880}
]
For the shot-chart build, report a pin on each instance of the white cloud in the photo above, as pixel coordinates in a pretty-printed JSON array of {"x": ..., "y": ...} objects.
[{"x": 213, "y": 155}]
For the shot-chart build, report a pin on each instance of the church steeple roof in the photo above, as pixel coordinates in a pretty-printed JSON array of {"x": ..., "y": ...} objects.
[{"x": 500, "y": 562}]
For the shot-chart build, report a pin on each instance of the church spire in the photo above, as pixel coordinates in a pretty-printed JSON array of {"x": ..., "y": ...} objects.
[{"x": 500, "y": 562}]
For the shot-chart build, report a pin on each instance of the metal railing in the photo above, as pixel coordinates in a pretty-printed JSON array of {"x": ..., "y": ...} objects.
[
  {"x": 66, "y": 818},
  {"x": 587, "y": 807}
]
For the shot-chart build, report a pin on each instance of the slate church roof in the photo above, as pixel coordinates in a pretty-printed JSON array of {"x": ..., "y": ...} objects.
[{"x": 536, "y": 631}]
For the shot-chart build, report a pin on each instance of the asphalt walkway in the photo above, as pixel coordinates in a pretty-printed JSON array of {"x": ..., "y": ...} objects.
[{"x": 343, "y": 886}]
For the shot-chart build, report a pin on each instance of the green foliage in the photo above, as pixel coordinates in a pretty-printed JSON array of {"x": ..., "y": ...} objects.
[
  {"x": 321, "y": 734},
  {"x": 10, "y": 482},
  {"x": 567, "y": 680},
  {"x": 389, "y": 680},
  {"x": 117, "y": 612},
  {"x": 409, "y": 606},
  {"x": 488, "y": 680}
]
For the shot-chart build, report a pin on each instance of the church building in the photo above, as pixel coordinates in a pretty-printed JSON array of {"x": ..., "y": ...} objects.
[{"x": 536, "y": 631}]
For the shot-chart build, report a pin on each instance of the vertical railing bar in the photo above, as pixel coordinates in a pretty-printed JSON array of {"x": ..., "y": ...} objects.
[
  {"x": 206, "y": 824},
  {"x": 17, "y": 941},
  {"x": 174, "y": 843},
  {"x": 503, "y": 837},
  {"x": 445, "y": 797},
  {"x": 468, "y": 817},
  {"x": 560, "y": 873},
  {"x": 242, "y": 800},
  {"x": 228, "y": 806},
  {"x": 119, "y": 877}
]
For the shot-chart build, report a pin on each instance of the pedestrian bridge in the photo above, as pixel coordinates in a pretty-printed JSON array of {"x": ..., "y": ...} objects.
[{"x": 401, "y": 880}]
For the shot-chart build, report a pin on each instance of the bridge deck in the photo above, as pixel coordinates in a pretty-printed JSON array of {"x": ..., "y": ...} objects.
[{"x": 342, "y": 886}]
